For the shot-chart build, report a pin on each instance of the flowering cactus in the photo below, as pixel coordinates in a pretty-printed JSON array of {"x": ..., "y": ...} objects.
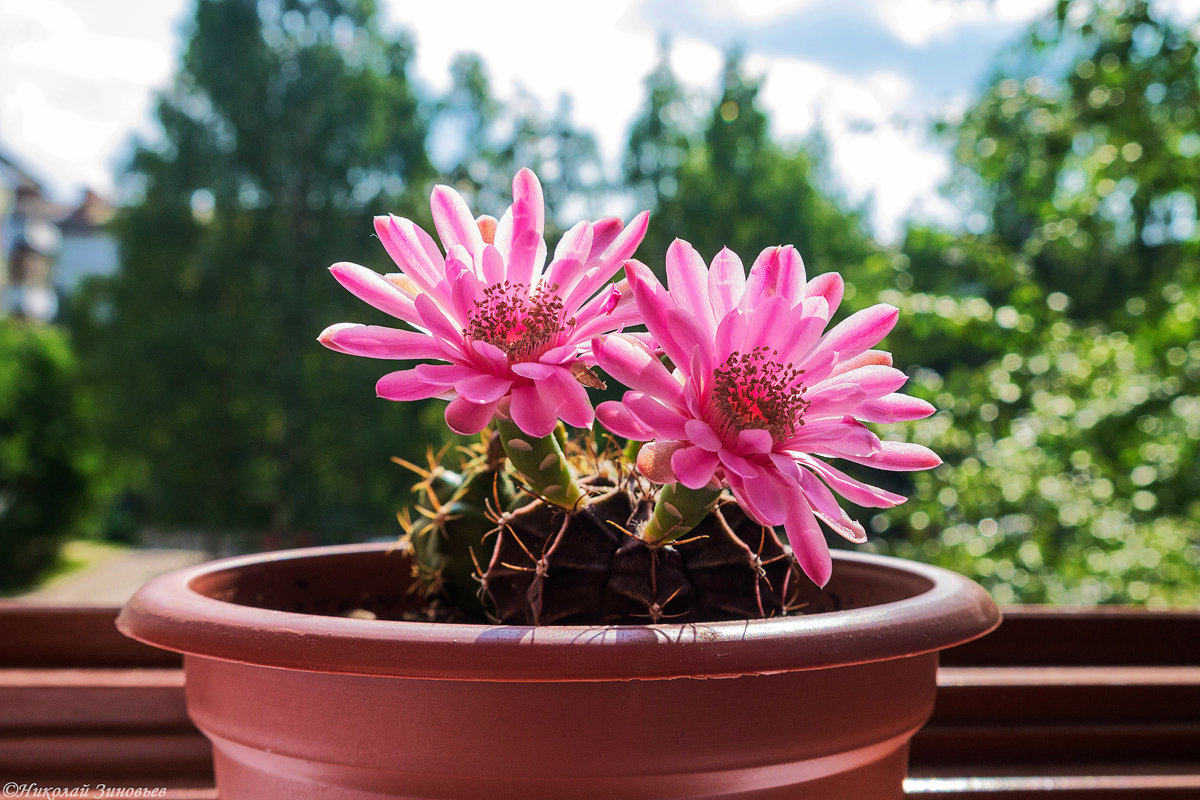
[
  {"x": 737, "y": 426},
  {"x": 760, "y": 395}
]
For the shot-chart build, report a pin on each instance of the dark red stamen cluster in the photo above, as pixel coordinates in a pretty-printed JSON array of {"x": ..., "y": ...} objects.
[
  {"x": 751, "y": 390},
  {"x": 521, "y": 323}
]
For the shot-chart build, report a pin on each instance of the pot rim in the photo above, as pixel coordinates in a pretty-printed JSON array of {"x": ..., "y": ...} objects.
[{"x": 170, "y": 614}]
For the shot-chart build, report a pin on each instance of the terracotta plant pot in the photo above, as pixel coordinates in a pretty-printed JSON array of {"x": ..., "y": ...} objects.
[{"x": 299, "y": 704}]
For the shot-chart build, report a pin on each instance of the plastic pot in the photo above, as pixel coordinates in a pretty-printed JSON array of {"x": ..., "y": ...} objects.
[{"x": 304, "y": 704}]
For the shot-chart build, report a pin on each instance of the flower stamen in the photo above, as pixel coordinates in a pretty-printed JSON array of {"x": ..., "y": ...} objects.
[
  {"x": 524, "y": 324},
  {"x": 752, "y": 390}
]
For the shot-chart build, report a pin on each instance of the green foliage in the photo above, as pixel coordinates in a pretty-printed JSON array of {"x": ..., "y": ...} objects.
[
  {"x": 725, "y": 183},
  {"x": 46, "y": 458},
  {"x": 1085, "y": 152},
  {"x": 207, "y": 373}
]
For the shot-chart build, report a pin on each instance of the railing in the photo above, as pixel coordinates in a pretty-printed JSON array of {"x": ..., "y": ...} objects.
[{"x": 1089, "y": 704}]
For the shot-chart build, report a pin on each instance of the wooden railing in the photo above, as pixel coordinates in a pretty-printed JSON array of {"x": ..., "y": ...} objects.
[{"x": 1088, "y": 704}]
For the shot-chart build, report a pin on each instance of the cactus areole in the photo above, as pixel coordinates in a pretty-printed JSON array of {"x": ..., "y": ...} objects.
[{"x": 549, "y": 623}]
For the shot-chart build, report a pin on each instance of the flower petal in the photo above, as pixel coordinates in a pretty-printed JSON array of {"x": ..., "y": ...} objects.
[
  {"x": 830, "y": 287},
  {"x": 857, "y": 492},
  {"x": 776, "y": 271},
  {"x": 378, "y": 341},
  {"x": 694, "y": 466},
  {"x": 570, "y": 400},
  {"x": 614, "y": 416},
  {"x": 654, "y": 460},
  {"x": 454, "y": 221},
  {"x": 468, "y": 418},
  {"x": 406, "y": 384},
  {"x": 699, "y": 434},
  {"x": 531, "y": 412},
  {"x": 899, "y": 457},
  {"x": 666, "y": 422},
  {"x": 482, "y": 389},
  {"x": 631, "y": 363},
  {"x": 687, "y": 281},
  {"x": 860, "y": 331},
  {"x": 376, "y": 291},
  {"x": 807, "y": 540},
  {"x": 826, "y": 507},
  {"x": 739, "y": 466},
  {"x": 726, "y": 282},
  {"x": 413, "y": 250},
  {"x": 894, "y": 408}
]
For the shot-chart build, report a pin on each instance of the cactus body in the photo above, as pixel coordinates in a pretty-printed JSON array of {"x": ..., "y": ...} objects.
[{"x": 537, "y": 563}]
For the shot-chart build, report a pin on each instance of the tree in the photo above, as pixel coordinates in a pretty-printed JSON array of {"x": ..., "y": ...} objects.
[
  {"x": 1085, "y": 153},
  {"x": 492, "y": 140},
  {"x": 47, "y": 458},
  {"x": 735, "y": 187},
  {"x": 203, "y": 353}
]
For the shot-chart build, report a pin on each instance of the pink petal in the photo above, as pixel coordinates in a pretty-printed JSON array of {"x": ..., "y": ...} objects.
[
  {"x": 762, "y": 498},
  {"x": 468, "y": 418},
  {"x": 726, "y": 282},
  {"x": 687, "y": 281},
  {"x": 843, "y": 394},
  {"x": 491, "y": 356},
  {"x": 860, "y": 331},
  {"x": 482, "y": 389},
  {"x": 667, "y": 423},
  {"x": 413, "y": 250},
  {"x": 739, "y": 466},
  {"x": 842, "y": 438},
  {"x": 632, "y": 364},
  {"x": 602, "y": 267},
  {"x": 534, "y": 370},
  {"x": 828, "y": 286},
  {"x": 807, "y": 540},
  {"x": 654, "y": 460},
  {"x": 594, "y": 320},
  {"x": 754, "y": 440},
  {"x": 655, "y": 303},
  {"x": 604, "y": 233},
  {"x": 894, "y": 408},
  {"x": 569, "y": 257},
  {"x": 408, "y": 385},
  {"x": 776, "y": 271},
  {"x": 531, "y": 412},
  {"x": 447, "y": 374},
  {"x": 435, "y": 320},
  {"x": 377, "y": 341},
  {"x": 694, "y": 466},
  {"x": 492, "y": 265},
  {"x": 731, "y": 335},
  {"x": 376, "y": 291},
  {"x": 569, "y": 399},
  {"x": 454, "y": 221},
  {"x": 899, "y": 457},
  {"x": 699, "y": 434},
  {"x": 857, "y": 492},
  {"x": 826, "y": 507},
  {"x": 519, "y": 232},
  {"x": 863, "y": 359},
  {"x": 765, "y": 321},
  {"x": 618, "y": 419}
]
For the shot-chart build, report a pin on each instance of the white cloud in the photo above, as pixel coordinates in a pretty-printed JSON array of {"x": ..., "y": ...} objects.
[{"x": 918, "y": 22}]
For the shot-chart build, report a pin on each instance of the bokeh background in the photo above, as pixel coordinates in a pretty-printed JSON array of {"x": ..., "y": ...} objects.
[{"x": 1020, "y": 178}]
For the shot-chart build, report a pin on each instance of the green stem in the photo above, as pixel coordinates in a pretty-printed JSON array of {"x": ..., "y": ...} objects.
[
  {"x": 541, "y": 462},
  {"x": 678, "y": 510}
]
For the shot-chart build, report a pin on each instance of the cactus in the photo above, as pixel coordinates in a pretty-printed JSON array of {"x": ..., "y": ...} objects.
[{"x": 488, "y": 544}]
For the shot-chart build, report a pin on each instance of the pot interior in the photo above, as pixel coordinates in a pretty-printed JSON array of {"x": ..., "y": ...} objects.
[{"x": 379, "y": 580}]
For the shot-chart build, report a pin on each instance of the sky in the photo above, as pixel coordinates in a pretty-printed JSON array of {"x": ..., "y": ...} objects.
[{"x": 78, "y": 77}]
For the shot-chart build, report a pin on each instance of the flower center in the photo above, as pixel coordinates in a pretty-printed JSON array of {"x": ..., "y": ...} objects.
[
  {"x": 521, "y": 323},
  {"x": 750, "y": 390}
]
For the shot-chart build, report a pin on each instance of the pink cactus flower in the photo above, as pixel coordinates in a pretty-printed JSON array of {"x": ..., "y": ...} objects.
[
  {"x": 761, "y": 394},
  {"x": 513, "y": 335}
]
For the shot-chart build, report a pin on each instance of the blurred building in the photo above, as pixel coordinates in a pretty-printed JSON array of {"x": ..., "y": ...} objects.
[{"x": 47, "y": 249}]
